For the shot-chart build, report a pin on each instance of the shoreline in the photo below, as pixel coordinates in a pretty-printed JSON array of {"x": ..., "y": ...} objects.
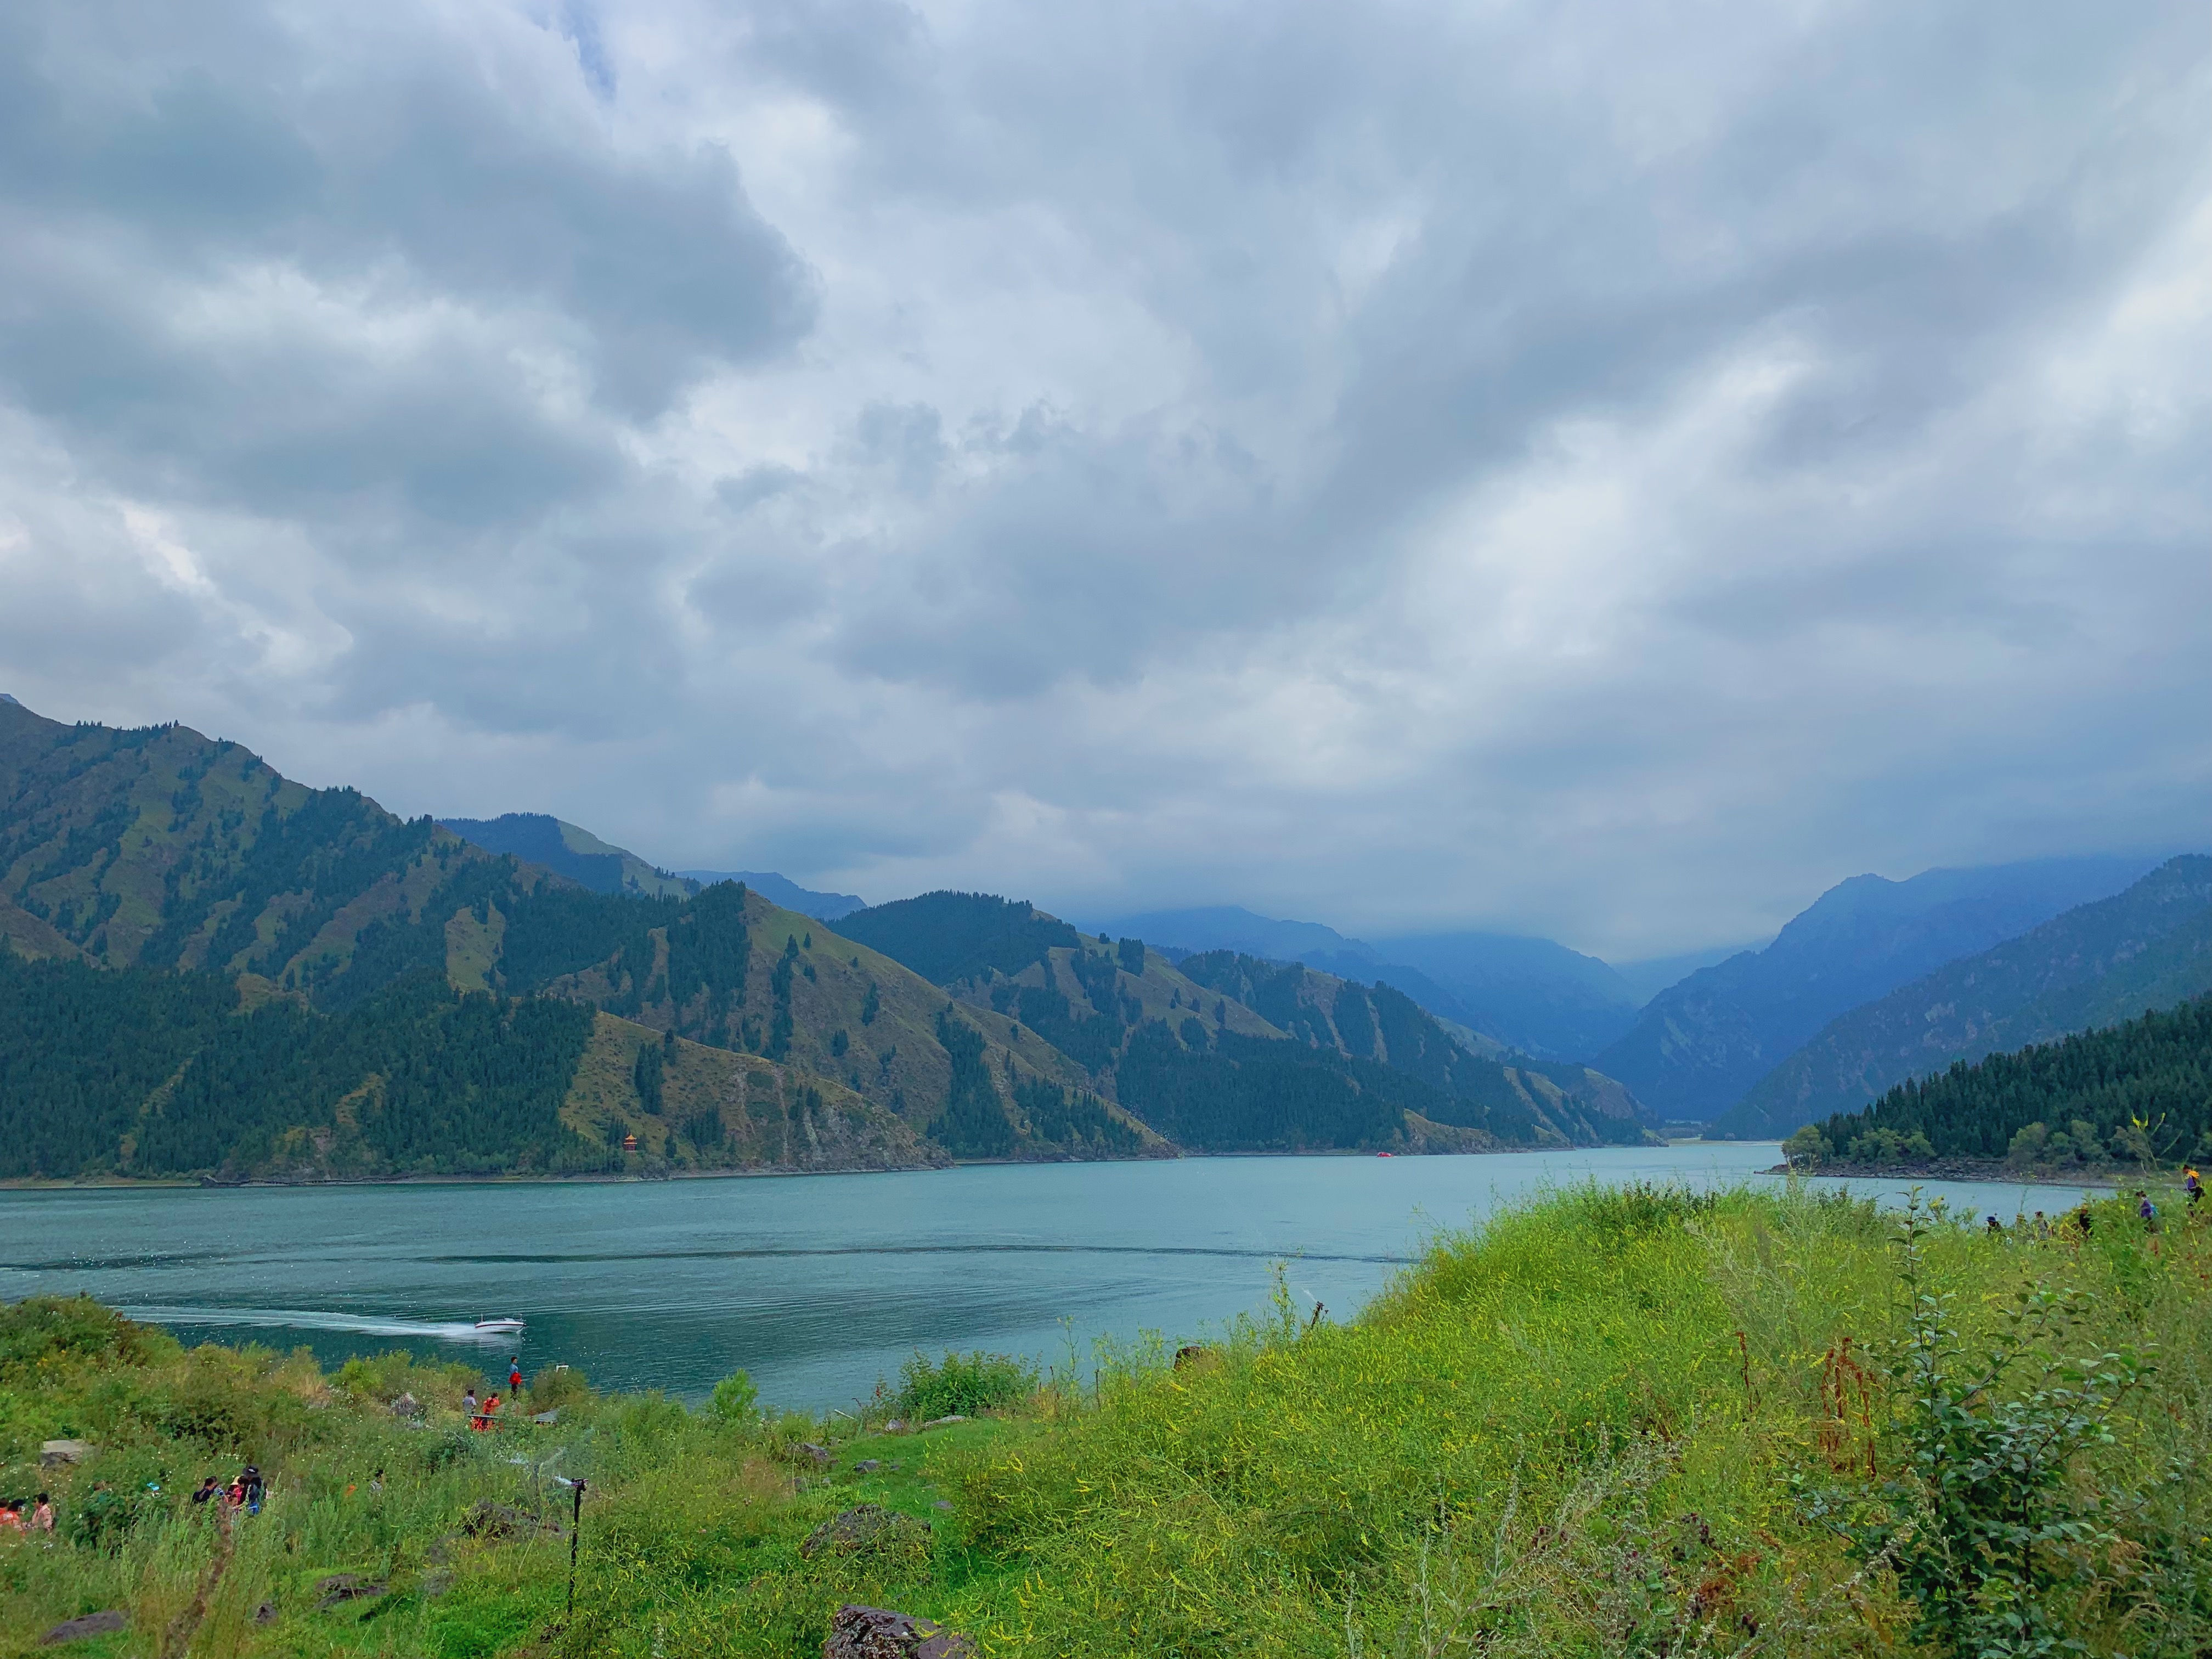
[
  {"x": 200, "y": 1182},
  {"x": 1989, "y": 1171}
]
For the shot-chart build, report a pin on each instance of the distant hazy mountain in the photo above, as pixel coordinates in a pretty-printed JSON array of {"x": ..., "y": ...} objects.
[
  {"x": 1700, "y": 1045},
  {"x": 1232, "y": 927},
  {"x": 567, "y": 850},
  {"x": 2096, "y": 965},
  {"x": 1529, "y": 994},
  {"x": 781, "y": 890},
  {"x": 1646, "y": 978}
]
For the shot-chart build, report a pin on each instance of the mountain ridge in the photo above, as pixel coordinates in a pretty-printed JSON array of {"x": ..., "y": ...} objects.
[
  {"x": 1699, "y": 1046},
  {"x": 2149, "y": 946}
]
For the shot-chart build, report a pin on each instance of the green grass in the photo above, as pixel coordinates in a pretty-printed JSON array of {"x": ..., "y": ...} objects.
[{"x": 1607, "y": 1424}]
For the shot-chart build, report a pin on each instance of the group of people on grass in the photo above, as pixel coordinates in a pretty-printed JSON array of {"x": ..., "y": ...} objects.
[
  {"x": 2081, "y": 1221},
  {"x": 242, "y": 1496},
  {"x": 35, "y": 1517},
  {"x": 486, "y": 1415}
]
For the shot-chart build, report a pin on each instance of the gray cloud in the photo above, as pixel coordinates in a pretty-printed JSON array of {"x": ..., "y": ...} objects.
[{"x": 1609, "y": 474}]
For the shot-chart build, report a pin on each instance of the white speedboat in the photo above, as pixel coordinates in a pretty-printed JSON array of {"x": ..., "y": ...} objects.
[{"x": 499, "y": 1327}]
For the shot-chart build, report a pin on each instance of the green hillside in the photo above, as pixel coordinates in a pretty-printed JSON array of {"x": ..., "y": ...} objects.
[
  {"x": 2137, "y": 1094},
  {"x": 1763, "y": 1422},
  {"x": 1224, "y": 1052},
  {"x": 2147, "y": 947},
  {"x": 326, "y": 990}
]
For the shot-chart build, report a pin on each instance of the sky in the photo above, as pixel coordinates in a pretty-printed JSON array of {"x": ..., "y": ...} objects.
[{"x": 1604, "y": 472}]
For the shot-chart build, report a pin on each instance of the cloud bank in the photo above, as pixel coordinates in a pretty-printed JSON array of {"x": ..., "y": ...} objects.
[{"x": 1604, "y": 474}]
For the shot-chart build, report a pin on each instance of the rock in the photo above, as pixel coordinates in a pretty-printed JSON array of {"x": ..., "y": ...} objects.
[
  {"x": 52, "y": 1454},
  {"x": 819, "y": 1453},
  {"x": 497, "y": 1521},
  {"x": 407, "y": 1405},
  {"x": 864, "y": 1527},
  {"x": 858, "y": 1632},
  {"x": 342, "y": 1586},
  {"x": 1195, "y": 1356},
  {"x": 866, "y": 1465},
  {"x": 940, "y": 1504},
  {"x": 941, "y": 1422},
  {"x": 553, "y": 1416},
  {"x": 92, "y": 1624},
  {"x": 894, "y": 1426},
  {"x": 265, "y": 1612}
]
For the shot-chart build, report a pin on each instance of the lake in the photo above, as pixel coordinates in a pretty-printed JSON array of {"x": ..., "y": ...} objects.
[{"x": 818, "y": 1285}]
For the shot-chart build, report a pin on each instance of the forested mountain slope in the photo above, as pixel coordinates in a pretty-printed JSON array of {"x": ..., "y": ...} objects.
[
  {"x": 2149, "y": 947},
  {"x": 340, "y": 989},
  {"x": 2136, "y": 1093},
  {"x": 1202, "y": 1044},
  {"x": 1530, "y": 994},
  {"x": 1699, "y": 1046}
]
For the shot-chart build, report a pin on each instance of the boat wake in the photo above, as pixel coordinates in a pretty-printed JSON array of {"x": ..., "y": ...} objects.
[{"x": 301, "y": 1319}]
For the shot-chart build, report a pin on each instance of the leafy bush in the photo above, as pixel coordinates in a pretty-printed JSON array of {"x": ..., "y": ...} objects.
[
  {"x": 962, "y": 1385},
  {"x": 736, "y": 1402},
  {"x": 1988, "y": 1533}
]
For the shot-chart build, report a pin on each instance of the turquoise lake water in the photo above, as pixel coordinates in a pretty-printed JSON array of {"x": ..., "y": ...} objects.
[{"x": 817, "y": 1285}]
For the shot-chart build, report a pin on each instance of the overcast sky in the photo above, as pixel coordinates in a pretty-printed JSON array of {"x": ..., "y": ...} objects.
[{"x": 1604, "y": 472}]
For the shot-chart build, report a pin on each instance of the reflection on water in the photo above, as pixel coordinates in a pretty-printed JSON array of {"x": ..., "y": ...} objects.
[{"x": 818, "y": 1285}]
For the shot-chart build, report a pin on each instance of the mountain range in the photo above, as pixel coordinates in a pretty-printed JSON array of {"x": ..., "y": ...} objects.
[
  {"x": 337, "y": 991},
  {"x": 1699, "y": 1046},
  {"x": 2149, "y": 947},
  {"x": 1532, "y": 995}
]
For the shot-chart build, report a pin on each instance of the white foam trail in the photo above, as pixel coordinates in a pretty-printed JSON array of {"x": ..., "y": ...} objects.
[{"x": 299, "y": 1319}]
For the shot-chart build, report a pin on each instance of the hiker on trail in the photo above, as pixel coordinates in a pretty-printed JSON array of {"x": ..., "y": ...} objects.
[
  {"x": 250, "y": 1488},
  {"x": 2196, "y": 1187},
  {"x": 42, "y": 1516},
  {"x": 1996, "y": 1228},
  {"x": 468, "y": 1402},
  {"x": 514, "y": 1375},
  {"x": 208, "y": 1489},
  {"x": 2042, "y": 1226},
  {"x": 11, "y": 1517},
  {"x": 2082, "y": 1216},
  {"x": 2147, "y": 1210}
]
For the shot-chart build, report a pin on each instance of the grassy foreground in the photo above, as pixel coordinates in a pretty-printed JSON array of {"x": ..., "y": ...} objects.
[{"x": 1607, "y": 1423}]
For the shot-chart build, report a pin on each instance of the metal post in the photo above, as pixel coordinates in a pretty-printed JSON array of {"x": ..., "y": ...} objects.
[{"x": 575, "y": 1535}]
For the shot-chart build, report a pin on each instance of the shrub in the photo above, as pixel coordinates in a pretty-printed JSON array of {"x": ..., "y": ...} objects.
[
  {"x": 1986, "y": 1526},
  {"x": 736, "y": 1402},
  {"x": 962, "y": 1385}
]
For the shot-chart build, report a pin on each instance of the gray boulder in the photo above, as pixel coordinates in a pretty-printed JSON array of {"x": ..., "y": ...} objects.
[
  {"x": 858, "y": 1632},
  {"x": 92, "y": 1624},
  {"x": 342, "y": 1586}
]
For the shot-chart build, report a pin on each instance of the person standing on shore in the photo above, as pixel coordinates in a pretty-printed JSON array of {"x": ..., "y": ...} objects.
[
  {"x": 514, "y": 1376},
  {"x": 2189, "y": 1179}
]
